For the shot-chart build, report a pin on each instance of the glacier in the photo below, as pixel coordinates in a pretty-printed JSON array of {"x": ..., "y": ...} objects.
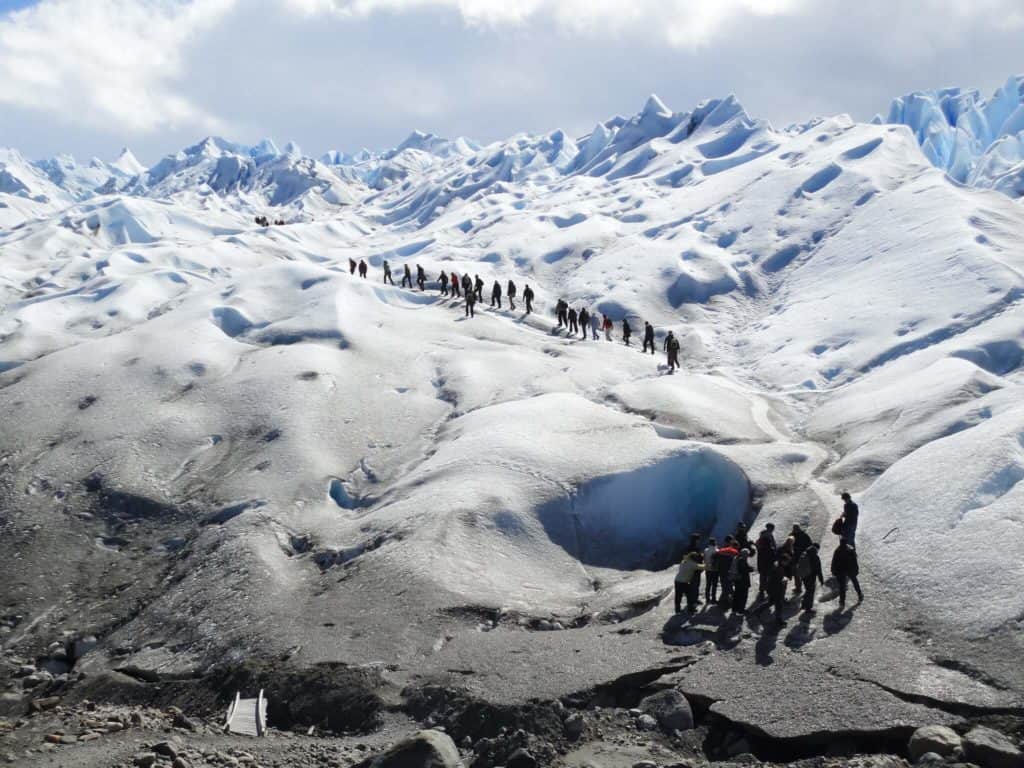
[{"x": 237, "y": 448}]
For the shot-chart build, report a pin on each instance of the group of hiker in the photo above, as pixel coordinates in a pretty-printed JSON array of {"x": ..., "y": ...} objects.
[
  {"x": 729, "y": 568},
  {"x": 471, "y": 290},
  {"x": 580, "y": 321},
  {"x": 263, "y": 221}
]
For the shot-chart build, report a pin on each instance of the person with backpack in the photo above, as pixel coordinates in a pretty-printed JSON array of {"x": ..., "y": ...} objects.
[
  {"x": 528, "y": 298},
  {"x": 740, "y": 573},
  {"x": 801, "y": 541},
  {"x": 467, "y": 283},
  {"x": 626, "y": 331},
  {"x": 558, "y": 311},
  {"x": 511, "y": 293},
  {"x": 496, "y": 294},
  {"x": 710, "y": 572},
  {"x": 765, "y": 558},
  {"x": 387, "y": 273},
  {"x": 689, "y": 570},
  {"x": 584, "y": 322},
  {"x": 808, "y": 570},
  {"x": 648, "y": 336},
  {"x": 851, "y": 514},
  {"x": 608, "y": 326},
  {"x": 594, "y": 323},
  {"x": 845, "y": 568},
  {"x": 742, "y": 535},
  {"x": 573, "y": 324},
  {"x": 443, "y": 279},
  {"x": 479, "y": 285},
  {"x": 723, "y": 564},
  {"x": 421, "y": 278},
  {"x": 470, "y": 303},
  {"x": 362, "y": 269},
  {"x": 455, "y": 285},
  {"x": 672, "y": 348},
  {"x": 407, "y": 277}
]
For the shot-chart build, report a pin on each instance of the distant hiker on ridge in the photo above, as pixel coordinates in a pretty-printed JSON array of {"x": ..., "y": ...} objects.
[
  {"x": 470, "y": 303},
  {"x": 444, "y": 283},
  {"x": 455, "y": 284},
  {"x": 608, "y": 326},
  {"x": 511, "y": 293},
  {"x": 467, "y": 283},
  {"x": 584, "y": 322},
  {"x": 421, "y": 278},
  {"x": 351, "y": 265},
  {"x": 496, "y": 294},
  {"x": 362, "y": 268},
  {"x": 479, "y": 288},
  {"x": 594, "y": 325},
  {"x": 626, "y": 331},
  {"x": 672, "y": 348},
  {"x": 648, "y": 336},
  {"x": 387, "y": 273},
  {"x": 407, "y": 278},
  {"x": 528, "y": 298},
  {"x": 573, "y": 325}
]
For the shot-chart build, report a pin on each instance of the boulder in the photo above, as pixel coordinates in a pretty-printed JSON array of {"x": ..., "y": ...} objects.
[
  {"x": 933, "y": 738},
  {"x": 144, "y": 761},
  {"x": 647, "y": 722},
  {"x": 574, "y": 725},
  {"x": 670, "y": 708},
  {"x": 991, "y": 749},
  {"x": 424, "y": 749},
  {"x": 166, "y": 749},
  {"x": 521, "y": 759}
]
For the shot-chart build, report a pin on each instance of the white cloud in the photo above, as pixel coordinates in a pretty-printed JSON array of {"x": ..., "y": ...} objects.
[
  {"x": 111, "y": 64},
  {"x": 681, "y": 23}
]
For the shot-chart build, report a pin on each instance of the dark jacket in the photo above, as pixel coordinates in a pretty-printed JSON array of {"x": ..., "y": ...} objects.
[
  {"x": 844, "y": 561},
  {"x": 801, "y": 541},
  {"x": 809, "y": 566}
]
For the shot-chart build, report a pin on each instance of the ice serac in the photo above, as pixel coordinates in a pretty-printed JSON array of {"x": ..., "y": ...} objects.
[{"x": 978, "y": 141}]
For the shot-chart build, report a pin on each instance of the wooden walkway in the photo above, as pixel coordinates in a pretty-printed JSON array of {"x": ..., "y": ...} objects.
[{"x": 247, "y": 717}]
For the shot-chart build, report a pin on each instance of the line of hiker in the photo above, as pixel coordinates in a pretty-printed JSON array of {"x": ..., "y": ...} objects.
[
  {"x": 581, "y": 321},
  {"x": 729, "y": 569},
  {"x": 471, "y": 290}
]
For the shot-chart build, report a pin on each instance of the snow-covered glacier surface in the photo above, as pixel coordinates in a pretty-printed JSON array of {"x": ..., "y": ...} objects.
[
  {"x": 280, "y": 448},
  {"x": 979, "y": 141}
]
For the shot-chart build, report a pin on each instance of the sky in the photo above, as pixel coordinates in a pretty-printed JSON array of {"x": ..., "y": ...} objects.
[{"x": 88, "y": 77}]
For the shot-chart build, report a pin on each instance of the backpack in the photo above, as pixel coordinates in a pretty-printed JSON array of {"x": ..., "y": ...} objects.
[{"x": 837, "y": 526}]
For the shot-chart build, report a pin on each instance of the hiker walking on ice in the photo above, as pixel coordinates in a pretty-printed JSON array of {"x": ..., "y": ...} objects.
[
  {"x": 648, "y": 337},
  {"x": 407, "y": 277},
  {"x": 444, "y": 282},
  {"x": 362, "y": 268},
  {"x": 387, "y": 274},
  {"x": 573, "y": 325},
  {"x": 595, "y": 325},
  {"x": 511, "y": 293},
  {"x": 496, "y": 294},
  {"x": 801, "y": 541},
  {"x": 584, "y": 322},
  {"x": 851, "y": 513},
  {"x": 845, "y": 568},
  {"x": 608, "y": 326},
  {"x": 455, "y": 285},
  {"x": 351, "y": 266},
  {"x": 808, "y": 570},
  {"x": 626, "y": 331},
  {"x": 528, "y": 298},
  {"x": 467, "y": 283},
  {"x": 479, "y": 288},
  {"x": 672, "y": 348},
  {"x": 741, "y": 571},
  {"x": 470, "y": 303},
  {"x": 694, "y": 548},
  {"x": 421, "y": 278}
]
